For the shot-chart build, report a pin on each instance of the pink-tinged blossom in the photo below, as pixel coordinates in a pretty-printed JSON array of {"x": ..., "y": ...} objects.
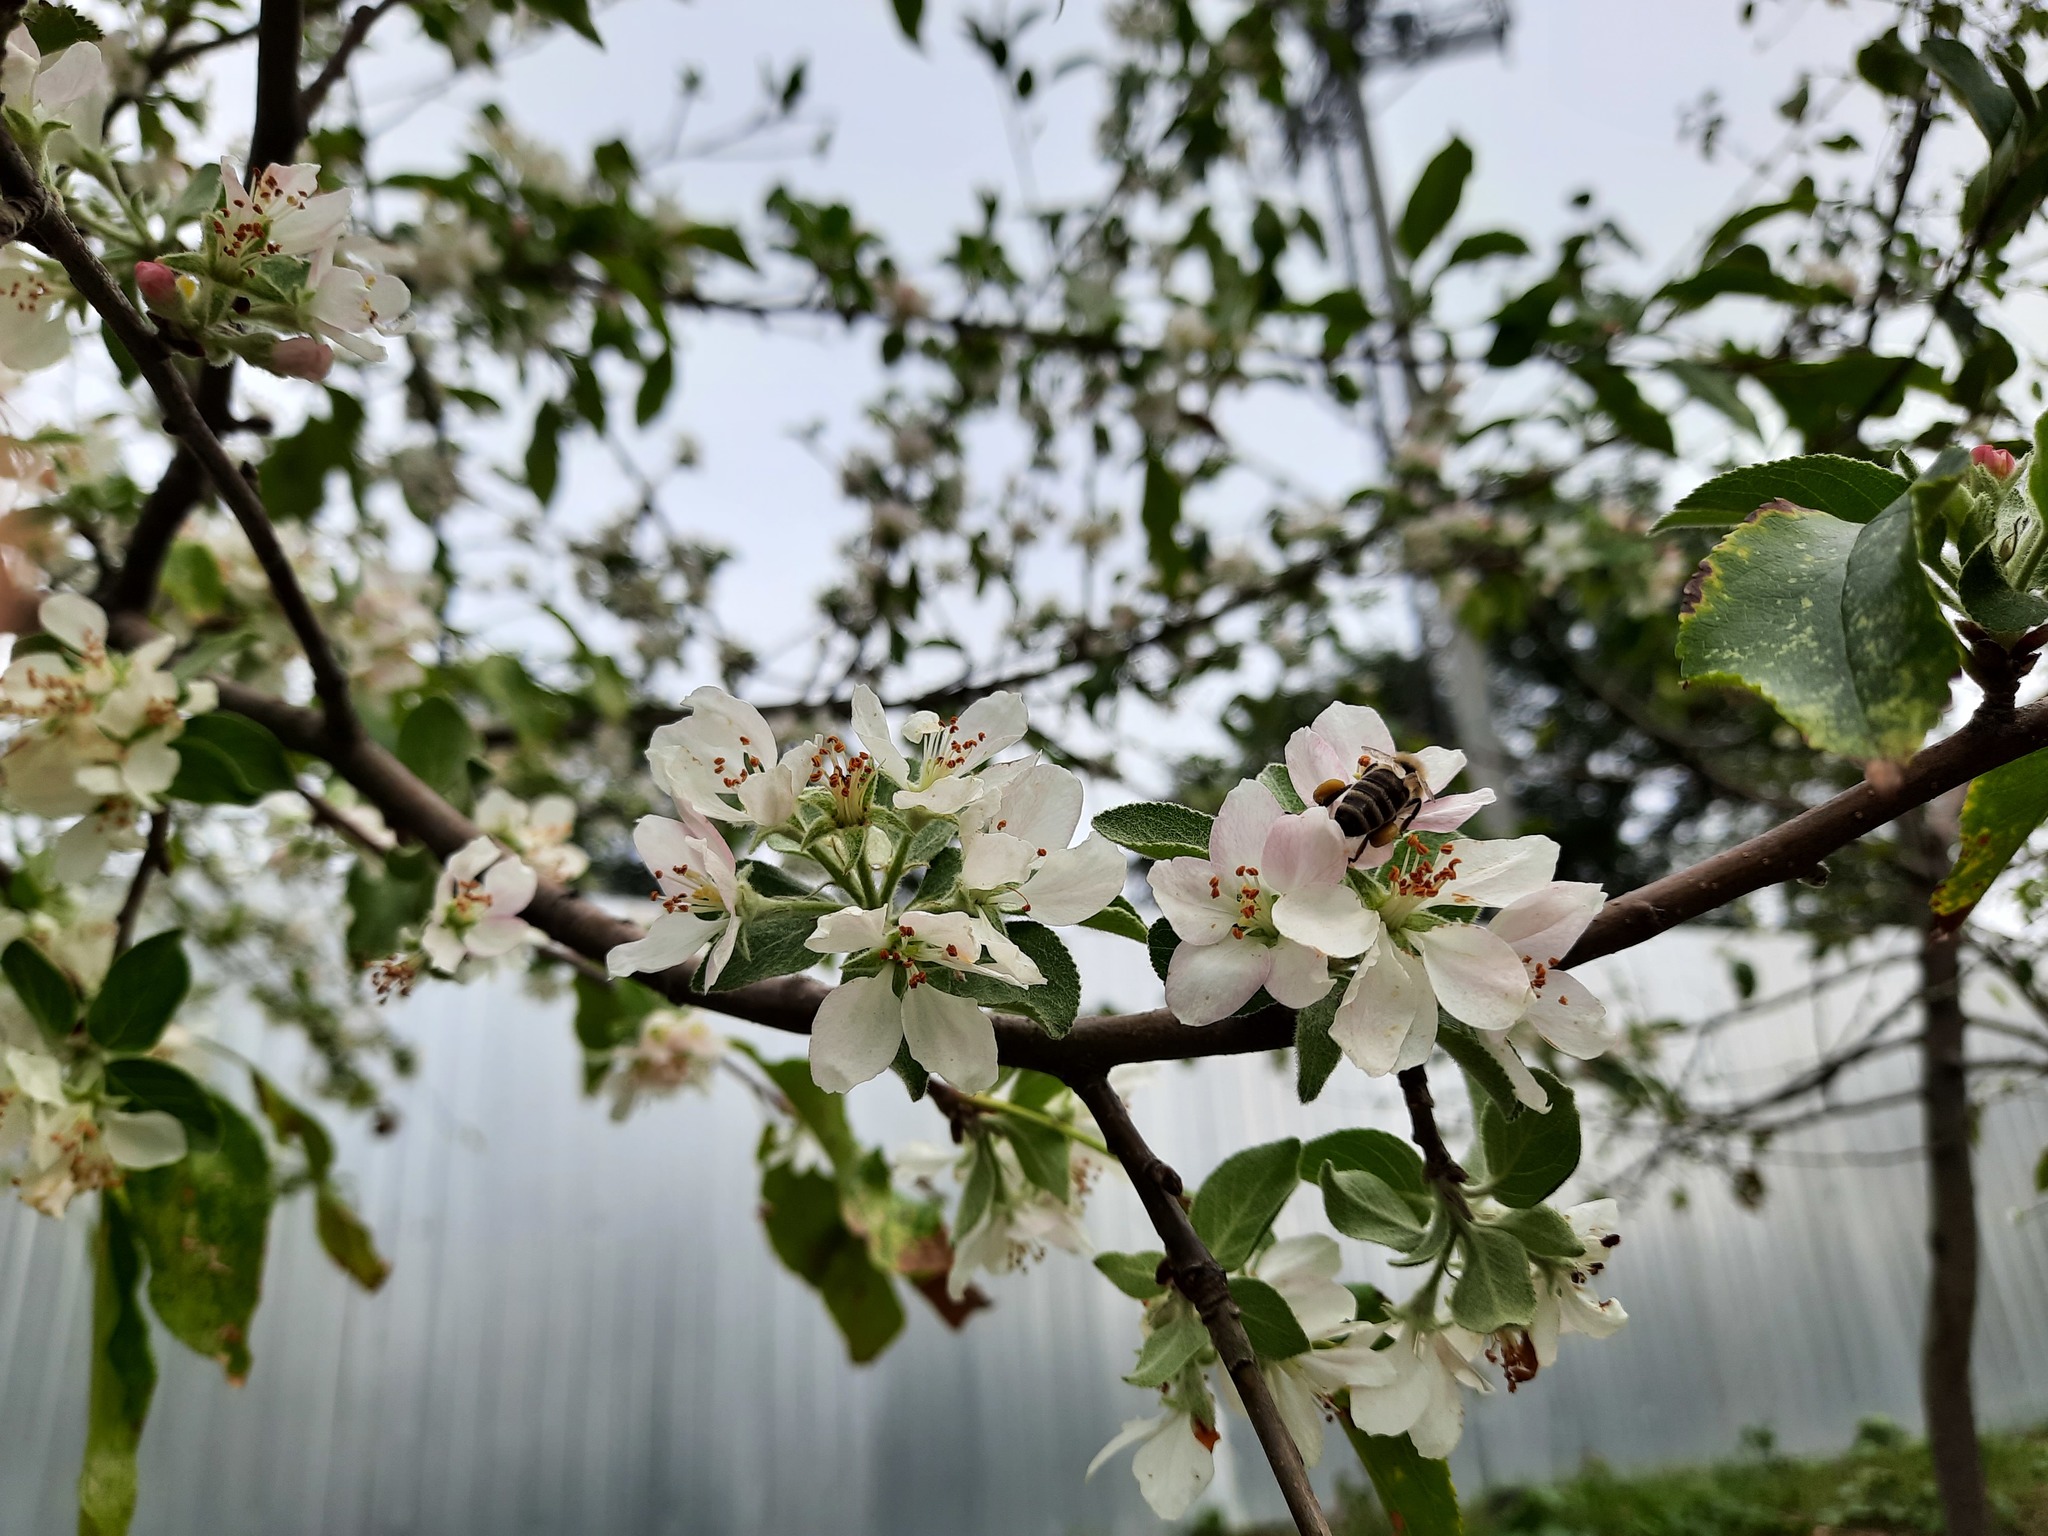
[
  {"x": 1267, "y": 908},
  {"x": 1346, "y": 740}
]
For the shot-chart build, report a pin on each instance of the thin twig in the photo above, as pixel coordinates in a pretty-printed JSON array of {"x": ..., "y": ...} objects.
[
  {"x": 1197, "y": 1276},
  {"x": 155, "y": 857},
  {"x": 314, "y": 96}
]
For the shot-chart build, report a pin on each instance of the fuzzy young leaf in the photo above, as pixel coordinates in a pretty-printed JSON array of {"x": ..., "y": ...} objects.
[
  {"x": 144, "y": 1083},
  {"x": 1380, "y": 1153},
  {"x": 1543, "y": 1232},
  {"x": 44, "y": 990},
  {"x": 1135, "y": 1274},
  {"x": 771, "y": 943},
  {"x": 1834, "y": 625},
  {"x": 143, "y": 989},
  {"x": 1528, "y": 1157},
  {"x": 1054, "y": 1003},
  {"x": 1269, "y": 1322},
  {"x": 1237, "y": 1203},
  {"x": 123, "y": 1378},
  {"x": 1853, "y": 490},
  {"x": 1119, "y": 918},
  {"x": 1167, "y": 1351},
  {"x": 204, "y": 1223},
  {"x": 1495, "y": 1289},
  {"x": 1482, "y": 1073},
  {"x": 1315, "y": 1054},
  {"x": 1156, "y": 830},
  {"x": 1362, "y": 1205},
  {"x": 1160, "y": 943},
  {"x": 1274, "y": 777},
  {"x": 2001, "y": 811},
  {"x": 1416, "y": 1493}
]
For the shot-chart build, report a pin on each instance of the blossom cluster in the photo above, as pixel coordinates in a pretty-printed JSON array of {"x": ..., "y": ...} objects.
[
  {"x": 1286, "y": 903},
  {"x": 96, "y": 731},
  {"x": 1400, "y": 1371}
]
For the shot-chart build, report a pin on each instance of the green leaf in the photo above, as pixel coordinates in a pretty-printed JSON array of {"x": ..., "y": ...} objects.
[
  {"x": 909, "y": 16},
  {"x": 1274, "y": 777},
  {"x": 1160, "y": 943},
  {"x": 386, "y": 895},
  {"x": 1135, "y": 1274},
  {"x": 1238, "y": 1202},
  {"x": 1380, "y": 1153},
  {"x": 977, "y": 1190},
  {"x": 574, "y": 14},
  {"x": 123, "y": 1378},
  {"x": 1167, "y": 1351},
  {"x": 1834, "y": 625},
  {"x": 54, "y": 27},
  {"x": 1053, "y": 1004},
  {"x": 608, "y": 1014},
  {"x": 348, "y": 1241},
  {"x": 2001, "y": 811},
  {"x": 1714, "y": 387},
  {"x": 822, "y": 1114},
  {"x": 144, "y": 1083},
  {"x": 1528, "y": 1157},
  {"x": 2041, "y": 1174},
  {"x": 1157, "y": 830},
  {"x": 1633, "y": 416},
  {"x": 939, "y": 879},
  {"x": 1543, "y": 1232},
  {"x": 544, "y": 452},
  {"x": 296, "y": 470},
  {"x": 1043, "y": 1154},
  {"x": 1270, "y": 1324},
  {"x": 258, "y": 757},
  {"x": 1315, "y": 1054},
  {"x": 1990, "y": 599},
  {"x": 1417, "y": 1494},
  {"x": 289, "y": 1123},
  {"x": 1495, "y": 1289},
  {"x": 1990, "y": 104},
  {"x": 436, "y": 742},
  {"x": 1825, "y": 400},
  {"x": 1850, "y": 489},
  {"x": 1434, "y": 202},
  {"x": 772, "y": 942},
  {"x": 809, "y": 1235},
  {"x": 144, "y": 987},
  {"x": 44, "y": 990},
  {"x": 1159, "y": 516},
  {"x": 1364, "y": 1206},
  {"x": 1484, "y": 246},
  {"x": 1486, "y": 1076},
  {"x": 204, "y": 1223},
  {"x": 1119, "y": 918}
]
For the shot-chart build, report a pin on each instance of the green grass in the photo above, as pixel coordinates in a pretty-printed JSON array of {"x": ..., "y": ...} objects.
[{"x": 1883, "y": 1484}]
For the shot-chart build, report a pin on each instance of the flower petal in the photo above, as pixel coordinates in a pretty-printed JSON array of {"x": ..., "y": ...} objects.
[
  {"x": 1173, "y": 1468},
  {"x": 1382, "y": 1006},
  {"x": 1297, "y": 974},
  {"x": 848, "y": 930},
  {"x": 1191, "y": 897},
  {"x": 1502, "y": 1050},
  {"x": 950, "y": 1036},
  {"x": 856, "y": 1032},
  {"x": 1447, "y": 813},
  {"x": 1302, "y": 852},
  {"x": 1494, "y": 872},
  {"x": 1207, "y": 982},
  {"x": 78, "y": 621},
  {"x": 1570, "y": 1017},
  {"x": 148, "y": 1139},
  {"x": 1041, "y": 805},
  {"x": 1543, "y": 927},
  {"x": 1330, "y": 918},
  {"x": 671, "y": 939},
  {"x": 1074, "y": 884},
  {"x": 1476, "y": 977},
  {"x": 1239, "y": 835},
  {"x": 872, "y": 726}
]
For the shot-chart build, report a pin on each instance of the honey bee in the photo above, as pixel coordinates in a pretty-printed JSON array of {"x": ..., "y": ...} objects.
[{"x": 1381, "y": 803}]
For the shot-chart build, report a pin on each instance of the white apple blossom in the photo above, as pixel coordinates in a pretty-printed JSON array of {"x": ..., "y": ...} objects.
[
  {"x": 1346, "y": 740},
  {"x": 284, "y": 213},
  {"x": 1266, "y": 909},
  {"x": 98, "y": 742},
  {"x": 477, "y": 902},
  {"x": 864, "y": 1019},
  {"x": 1304, "y": 1271},
  {"x": 68, "y": 1147},
  {"x": 1022, "y": 1221},
  {"x": 945, "y": 781},
  {"x": 698, "y": 887},
  {"x": 1541, "y": 928},
  {"x": 722, "y": 752},
  {"x": 1422, "y": 1399},
  {"x": 33, "y": 331},
  {"x": 538, "y": 832},
  {"x": 1563, "y": 1304},
  {"x": 1175, "y": 1462},
  {"x": 67, "y": 91},
  {"x": 677, "y": 1049},
  {"x": 1425, "y": 957},
  {"x": 349, "y": 305},
  {"x": 1014, "y": 853}
]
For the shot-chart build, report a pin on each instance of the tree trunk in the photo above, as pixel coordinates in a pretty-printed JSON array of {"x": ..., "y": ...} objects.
[{"x": 1952, "y": 1242}]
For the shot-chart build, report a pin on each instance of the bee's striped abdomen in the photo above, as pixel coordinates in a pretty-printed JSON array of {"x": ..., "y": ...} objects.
[{"x": 1373, "y": 802}]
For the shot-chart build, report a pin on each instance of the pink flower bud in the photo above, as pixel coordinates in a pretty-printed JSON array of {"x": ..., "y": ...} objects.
[
  {"x": 159, "y": 284},
  {"x": 1996, "y": 460},
  {"x": 301, "y": 357}
]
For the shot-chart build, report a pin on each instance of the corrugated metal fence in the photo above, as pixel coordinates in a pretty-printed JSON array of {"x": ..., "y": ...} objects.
[{"x": 585, "y": 1331}]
